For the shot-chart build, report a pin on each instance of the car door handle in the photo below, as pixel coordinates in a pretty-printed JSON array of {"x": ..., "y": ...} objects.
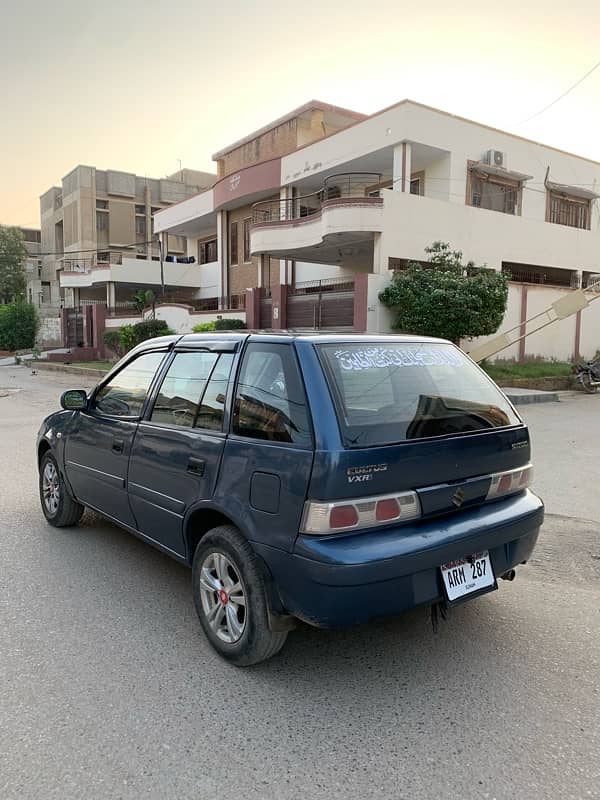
[
  {"x": 196, "y": 466},
  {"x": 118, "y": 445}
]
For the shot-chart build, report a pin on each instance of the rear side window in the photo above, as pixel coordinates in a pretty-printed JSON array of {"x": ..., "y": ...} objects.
[
  {"x": 392, "y": 392},
  {"x": 270, "y": 403},
  {"x": 124, "y": 395}
]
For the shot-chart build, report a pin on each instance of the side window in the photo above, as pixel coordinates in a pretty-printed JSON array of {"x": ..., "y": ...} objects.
[
  {"x": 124, "y": 395},
  {"x": 269, "y": 401},
  {"x": 212, "y": 407},
  {"x": 182, "y": 387}
]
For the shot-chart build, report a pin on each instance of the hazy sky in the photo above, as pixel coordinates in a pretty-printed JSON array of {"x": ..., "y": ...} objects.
[{"x": 138, "y": 84}]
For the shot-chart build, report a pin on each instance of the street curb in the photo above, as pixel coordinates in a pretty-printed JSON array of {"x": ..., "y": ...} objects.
[
  {"x": 520, "y": 397},
  {"x": 84, "y": 372}
]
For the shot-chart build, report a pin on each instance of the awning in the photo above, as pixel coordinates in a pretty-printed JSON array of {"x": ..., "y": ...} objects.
[
  {"x": 500, "y": 172},
  {"x": 573, "y": 191}
]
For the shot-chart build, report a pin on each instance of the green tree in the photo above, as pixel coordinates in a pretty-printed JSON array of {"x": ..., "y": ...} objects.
[
  {"x": 12, "y": 265},
  {"x": 446, "y": 297},
  {"x": 145, "y": 298}
]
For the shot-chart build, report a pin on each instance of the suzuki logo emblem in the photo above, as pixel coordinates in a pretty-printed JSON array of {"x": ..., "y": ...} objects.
[{"x": 458, "y": 498}]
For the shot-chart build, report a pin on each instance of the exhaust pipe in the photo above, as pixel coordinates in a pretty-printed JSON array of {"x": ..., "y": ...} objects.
[{"x": 509, "y": 576}]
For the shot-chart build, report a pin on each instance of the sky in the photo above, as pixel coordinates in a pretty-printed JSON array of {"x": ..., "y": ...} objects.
[{"x": 138, "y": 85}]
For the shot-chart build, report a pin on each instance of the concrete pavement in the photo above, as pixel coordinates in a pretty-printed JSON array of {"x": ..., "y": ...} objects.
[{"x": 109, "y": 689}]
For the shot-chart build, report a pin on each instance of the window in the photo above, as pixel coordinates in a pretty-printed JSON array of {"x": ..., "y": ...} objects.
[
  {"x": 101, "y": 221},
  {"x": 140, "y": 229},
  {"x": 247, "y": 257},
  {"x": 207, "y": 252},
  {"x": 181, "y": 390},
  {"x": 140, "y": 210},
  {"x": 125, "y": 394},
  {"x": 102, "y": 204},
  {"x": 567, "y": 210},
  {"x": 493, "y": 192},
  {"x": 387, "y": 393},
  {"x": 269, "y": 401},
  {"x": 212, "y": 407},
  {"x": 233, "y": 243}
]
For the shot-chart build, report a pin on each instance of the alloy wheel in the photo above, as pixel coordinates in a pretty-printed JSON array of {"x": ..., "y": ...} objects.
[
  {"x": 51, "y": 488},
  {"x": 223, "y": 597}
]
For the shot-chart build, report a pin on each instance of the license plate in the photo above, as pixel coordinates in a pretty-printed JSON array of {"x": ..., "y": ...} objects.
[{"x": 467, "y": 576}]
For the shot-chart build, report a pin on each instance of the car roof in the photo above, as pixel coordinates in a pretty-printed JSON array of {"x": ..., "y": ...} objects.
[{"x": 305, "y": 336}]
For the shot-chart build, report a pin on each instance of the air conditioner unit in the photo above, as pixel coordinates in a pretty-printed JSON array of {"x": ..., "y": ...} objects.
[{"x": 495, "y": 158}]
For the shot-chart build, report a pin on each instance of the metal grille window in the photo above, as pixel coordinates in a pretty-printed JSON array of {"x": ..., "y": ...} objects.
[
  {"x": 247, "y": 256},
  {"x": 494, "y": 195},
  {"x": 140, "y": 229},
  {"x": 233, "y": 243},
  {"x": 571, "y": 211},
  {"x": 207, "y": 252}
]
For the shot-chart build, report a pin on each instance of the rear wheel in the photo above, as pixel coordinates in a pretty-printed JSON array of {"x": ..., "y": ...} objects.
[
  {"x": 59, "y": 508},
  {"x": 586, "y": 382},
  {"x": 231, "y": 598}
]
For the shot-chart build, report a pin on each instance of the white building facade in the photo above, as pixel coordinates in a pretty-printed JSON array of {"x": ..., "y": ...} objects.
[{"x": 328, "y": 222}]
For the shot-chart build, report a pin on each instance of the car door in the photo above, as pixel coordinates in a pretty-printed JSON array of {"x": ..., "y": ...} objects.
[
  {"x": 269, "y": 452},
  {"x": 99, "y": 443},
  {"x": 179, "y": 444}
]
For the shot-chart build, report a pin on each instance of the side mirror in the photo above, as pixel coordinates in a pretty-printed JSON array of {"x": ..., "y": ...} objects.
[{"x": 74, "y": 400}]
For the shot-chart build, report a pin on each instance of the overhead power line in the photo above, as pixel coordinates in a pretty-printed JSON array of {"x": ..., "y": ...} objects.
[{"x": 560, "y": 97}]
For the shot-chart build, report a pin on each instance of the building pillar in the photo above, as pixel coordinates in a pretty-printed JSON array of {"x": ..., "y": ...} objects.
[
  {"x": 111, "y": 297},
  {"x": 402, "y": 167},
  {"x": 361, "y": 291},
  {"x": 98, "y": 328},
  {"x": 223, "y": 258},
  {"x": 279, "y": 295},
  {"x": 253, "y": 309}
]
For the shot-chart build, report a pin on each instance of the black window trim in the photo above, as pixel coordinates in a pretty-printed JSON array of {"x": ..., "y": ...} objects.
[
  {"x": 162, "y": 373},
  {"x": 113, "y": 373},
  {"x": 232, "y": 393}
]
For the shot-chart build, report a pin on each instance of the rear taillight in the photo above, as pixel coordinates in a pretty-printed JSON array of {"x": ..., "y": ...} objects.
[
  {"x": 514, "y": 480},
  {"x": 367, "y": 512}
]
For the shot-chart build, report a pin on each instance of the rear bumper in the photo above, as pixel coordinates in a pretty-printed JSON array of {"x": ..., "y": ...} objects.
[{"x": 344, "y": 580}]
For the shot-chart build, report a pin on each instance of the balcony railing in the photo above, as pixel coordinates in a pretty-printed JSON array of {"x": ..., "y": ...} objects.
[{"x": 355, "y": 185}]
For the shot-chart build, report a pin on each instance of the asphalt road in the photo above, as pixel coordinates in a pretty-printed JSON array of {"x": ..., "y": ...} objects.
[{"x": 109, "y": 690}]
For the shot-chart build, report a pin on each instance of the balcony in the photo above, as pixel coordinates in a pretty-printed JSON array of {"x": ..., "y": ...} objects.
[
  {"x": 81, "y": 273},
  {"x": 334, "y": 225}
]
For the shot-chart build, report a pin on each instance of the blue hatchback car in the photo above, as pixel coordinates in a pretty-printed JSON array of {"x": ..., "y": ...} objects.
[{"x": 328, "y": 478}]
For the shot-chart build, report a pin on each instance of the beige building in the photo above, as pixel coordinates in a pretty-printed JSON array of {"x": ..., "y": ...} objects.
[{"x": 100, "y": 219}]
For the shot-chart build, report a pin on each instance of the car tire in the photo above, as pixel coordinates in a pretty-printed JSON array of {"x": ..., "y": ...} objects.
[
  {"x": 230, "y": 596},
  {"x": 59, "y": 508}
]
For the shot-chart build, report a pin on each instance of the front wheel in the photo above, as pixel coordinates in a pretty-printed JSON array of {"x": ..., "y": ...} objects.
[
  {"x": 231, "y": 598},
  {"x": 59, "y": 508},
  {"x": 586, "y": 382}
]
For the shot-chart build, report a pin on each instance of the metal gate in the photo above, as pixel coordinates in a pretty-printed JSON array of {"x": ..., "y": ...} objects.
[
  {"x": 322, "y": 304},
  {"x": 74, "y": 327}
]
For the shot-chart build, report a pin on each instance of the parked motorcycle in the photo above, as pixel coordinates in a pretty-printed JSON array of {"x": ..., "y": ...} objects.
[{"x": 588, "y": 375}]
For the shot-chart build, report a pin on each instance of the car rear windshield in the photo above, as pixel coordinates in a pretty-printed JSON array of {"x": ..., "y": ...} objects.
[{"x": 392, "y": 392}]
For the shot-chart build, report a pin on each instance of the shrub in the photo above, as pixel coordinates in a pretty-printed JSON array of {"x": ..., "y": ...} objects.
[
  {"x": 18, "y": 326},
  {"x": 127, "y": 338},
  {"x": 229, "y": 324},
  {"x": 112, "y": 339},
  {"x": 447, "y": 298},
  {"x": 121, "y": 341},
  {"x": 150, "y": 328},
  {"x": 203, "y": 327}
]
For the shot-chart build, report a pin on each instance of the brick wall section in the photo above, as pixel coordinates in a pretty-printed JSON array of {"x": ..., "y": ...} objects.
[
  {"x": 274, "y": 143},
  {"x": 245, "y": 275}
]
